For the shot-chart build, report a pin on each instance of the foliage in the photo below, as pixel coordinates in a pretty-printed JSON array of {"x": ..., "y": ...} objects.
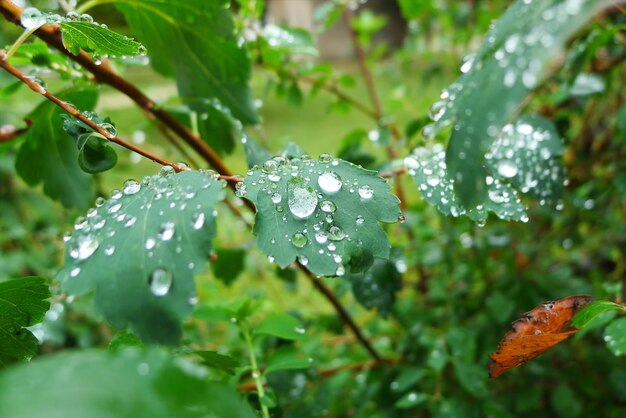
[{"x": 388, "y": 300}]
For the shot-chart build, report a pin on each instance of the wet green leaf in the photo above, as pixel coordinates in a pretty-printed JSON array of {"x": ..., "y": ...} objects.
[
  {"x": 97, "y": 40},
  {"x": 325, "y": 212},
  {"x": 377, "y": 286},
  {"x": 615, "y": 336},
  {"x": 229, "y": 264},
  {"x": 286, "y": 358},
  {"x": 282, "y": 326},
  {"x": 140, "y": 249},
  {"x": 218, "y": 361}
]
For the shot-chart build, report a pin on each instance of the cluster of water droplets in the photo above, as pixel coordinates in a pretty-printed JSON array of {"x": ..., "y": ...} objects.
[
  {"x": 126, "y": 222},
  {"x": 428, "y": 168},
  {"x": 527, "y": 154},
  {"x": 306, "y": 195}
]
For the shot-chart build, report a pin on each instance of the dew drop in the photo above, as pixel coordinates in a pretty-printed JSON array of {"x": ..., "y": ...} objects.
[
  {"x": 366, "y": 192},
  {"x": 87, "y": 245},
  {"x": 198, "y": 220},
  {"x": 299, "y": 240},
  {"x": 160, "y": 282},
  {"x": 302, "y": 198},
  {"x": 109, "y": 250},
  {"x": 131, "y": 187},
  {"x": 507, "y": 168},
  {"x": 75, "y": 272},
  {"x": 329, "y": 182},
  {"x": 150, "y": 243},
  {"x": 328, "y": 206},
  {"x": 32, "y": 18},
  {"x": 303, "y": 260},
  {"x": 360, "y": 220},
  {"x": 167, "y": 231},
  {"x": 115, "y": 208},
  {"x": 340, "y": 271},
  {"x": 335, "y": 233},
  {"x": 277, "y": 198},
  {"x": 321, "y": 237}
]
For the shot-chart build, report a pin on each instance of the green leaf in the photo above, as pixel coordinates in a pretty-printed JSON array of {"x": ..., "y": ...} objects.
[
  {"x": 255, "y": 153},
  {"x": 517, "y": 55},
  {"x": 282, "y": 326},
  {"x": 95, "y": 155},
  {"x": 123, "y": 340},
  {"x": 22, "y": 304},
  {"x": 565, "y": 402},
  {"x": 593, "y": 310},
  {"x": 528, "y": 155},
  {"x": 615, "y": 336},
  {"x": 49, "y": 155},
  {"x": 140, "y": 250},
  {"x": 127, "y": 384},
  {"x": 377, "y": 287},
  {"x": 621, "y": 120},
  {"x": 286, "y": 358},
  {"x": 229, "y": 264},
  {"x": 97, "y": 40},
  {"x": 218, "y": 361},
  {"x": 281, "y": 42},
  {"x": 325, "y": 212},
  {"x": 428, "y": 168},
  {"x": 195, "y": 41}
]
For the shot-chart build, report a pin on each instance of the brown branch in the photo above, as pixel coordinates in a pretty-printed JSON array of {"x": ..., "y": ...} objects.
[
  {"x": 69, "y": 108},
  {"x": 104, "y": 74},
  {"x": 397, "y": 172},
  {"x": 345, "y": 316}
]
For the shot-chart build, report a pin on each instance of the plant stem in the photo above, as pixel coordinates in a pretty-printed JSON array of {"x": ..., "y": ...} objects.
[
  {"x": 37, "y": 88},
  {"x": 256, "y": 373},
  {"x": 19, "y": 42},
  {"x": 91, "y": 4}
]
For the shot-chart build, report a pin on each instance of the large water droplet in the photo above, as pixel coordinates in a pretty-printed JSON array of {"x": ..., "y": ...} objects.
[
  {"x": 131, "y": 187},
  {"x": 32, "y": 18},
  {"x": 328, "y": 206},
  {"x": 302, "y": 198},
  {"x": 329, "y": 182},
  {"x": 160, "y": 282},
  {"x": 277, "y": 198},
  {"x": 335, "y": 233},
  {"x": 366, "y": 192},
  {"x": 87, "y": 245}
]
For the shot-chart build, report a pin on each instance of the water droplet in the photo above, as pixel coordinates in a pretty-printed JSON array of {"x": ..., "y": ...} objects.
[
  {"x": 75, "y": 272},
  {"x": 87, "y": 245},
  {"x": 299, "y": 240},
  {"x": 167, "y": 231},
  {"x": 299, "y": 330},
  {"x": 270, "y": 258},
  {"x": 277, "y": 198},
  {"x": 366, "y": 192},
  {"x": 130, "y": 222},
  {"x": 507, "y": 168},
  {"x": 115, "y": 208},
  {"x": 340, "y": 271},
  {"x": 326, "y": 158},
  {"x": 321, "y": 237},
  {"x": 360, "y": 220},
  {"x": 109, "y": 250},
  {"x": 116, "y": 194},
  {"x": 328, "y": 206},
  {"x": 302, "y": 198},
  {"x": 303, "y": 260},
  {"x": 240, "y": 189},
  {"x": 150, "y": 243},
  {"x": 109, "y": 130},
  {"x": 32, "y": 18},
  {"x": 329, "y": 182},
  {"x": 335, "y": 233},
  {"x": 131, "y": 187},
  {"x": 198, "y": 220},
  {"x": 100, "y": 201},
  {"x": 160, "y": 282}
]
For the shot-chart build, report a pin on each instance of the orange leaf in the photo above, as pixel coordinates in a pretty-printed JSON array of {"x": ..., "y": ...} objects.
[{"x": 535, "y": 332}]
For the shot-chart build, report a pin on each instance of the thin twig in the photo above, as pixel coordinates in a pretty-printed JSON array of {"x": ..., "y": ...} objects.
[
  {"x": 394, "y": 173},
  {"x": 10, "y": 132},
  {"x": 69, "y": 108}
]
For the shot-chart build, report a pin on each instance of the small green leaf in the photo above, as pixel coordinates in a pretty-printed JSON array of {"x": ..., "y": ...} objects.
[
  {"x": 140, "y": 250},
  {"x": 229, "y": 264},
  {"x": 593, "y": 310},
  {"x": 131, "y": 383},
  {"x": 325, "y": 212},
  {"x": 565, "y": 402},
  {"x": 286, "y": 358},
  {"x": 97, "y": 40},
  {"x": 22, "y": 304},
  {"x": 255, "y": 153},
  {"x": 377, "y": 287},
  {"x": 615, "y": 336},
  {"x": 218, "y": 361},
  {"x": 411, "y": 400},
  {"x": 282, "y": 326},
  {"x": 95, "y": 155},
  {"x": 280, "y": 42},
  {"x": 48, "y": 154}
]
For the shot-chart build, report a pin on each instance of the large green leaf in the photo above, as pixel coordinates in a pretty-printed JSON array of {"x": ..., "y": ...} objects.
[
  {"x": 517, "y": 55},
  {"x": 428, "y": 168},
  {"x": 593, "y": 310},
  {"x": 194, "y": 40},
  {"x": 49, "y": 154},
  {"x": 326, "y": 212},
  {"x": 140, "y": 249},
  {"x": 93, "y": 38},
  {"x": 130, "y": 383},
  {"x": 22, "y": 304}
]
